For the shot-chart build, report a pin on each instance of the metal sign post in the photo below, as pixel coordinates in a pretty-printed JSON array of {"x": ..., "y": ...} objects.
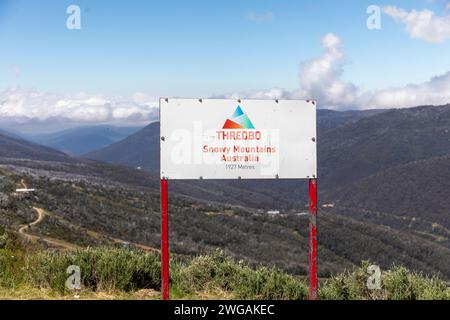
[
  {"x": 225, "y": 139},
  {"x": 312, "y": 234},
  {"x": 165, "y": 239}
]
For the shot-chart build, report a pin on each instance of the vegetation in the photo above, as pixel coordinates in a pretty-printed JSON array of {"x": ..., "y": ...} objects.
[
  {"x": 85, "y": 211},
  {"x": 120, "y": 273},
  {"x": 396, "y": 284}
]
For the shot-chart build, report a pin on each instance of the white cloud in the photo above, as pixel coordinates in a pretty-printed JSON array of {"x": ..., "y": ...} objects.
[
  {"x": 262, "y": 17},
  {"x": 424, "y": 25},
  {"x": 436, "y": 91},
  {"x": 321, "y": 79},
  {"x": 31, "y": 105}
]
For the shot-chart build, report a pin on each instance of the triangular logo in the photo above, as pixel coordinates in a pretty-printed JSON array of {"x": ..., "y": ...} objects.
[{"x": 239, "y": 120}]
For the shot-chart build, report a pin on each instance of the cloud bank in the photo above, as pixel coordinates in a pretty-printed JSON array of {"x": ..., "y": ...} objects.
[{"x": 30, "y": 105}]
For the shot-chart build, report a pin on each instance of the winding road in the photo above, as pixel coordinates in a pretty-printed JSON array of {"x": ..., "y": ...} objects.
[{"x": 32, "y": 238}]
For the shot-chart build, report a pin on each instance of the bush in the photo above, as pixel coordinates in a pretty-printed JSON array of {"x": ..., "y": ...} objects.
[
  {"x": 401, "y": 284},
  {"x": 218, "y": 271},
  {"x": 397, "y": 284},
  {"x": 11, "y": 268},
  {"x": 125, "y": 270},
  {"x": 101, "y": 269},
  {"x": 9, "y": 240},
  {"x": 270, "y": 284}
]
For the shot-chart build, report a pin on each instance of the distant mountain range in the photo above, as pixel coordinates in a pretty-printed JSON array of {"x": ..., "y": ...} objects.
[{"x": 82, "y": 140}]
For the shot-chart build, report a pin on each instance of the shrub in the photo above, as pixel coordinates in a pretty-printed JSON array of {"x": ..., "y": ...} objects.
[
  {"x": 101, "y": 269},
  {"x": 396, "y": 284},
  {"x": 270, "y": 284},
  {"x": 218, "y": 271},
  {"x": 401, "y": 284},
  {"x": 9, "y": 240},
  {"x": 11, "y": 268}
]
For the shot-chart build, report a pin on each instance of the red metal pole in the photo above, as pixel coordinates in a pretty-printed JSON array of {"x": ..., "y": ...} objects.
[
  {"x": 164, "y": 239},
  {"x": 312, "y": 257}
]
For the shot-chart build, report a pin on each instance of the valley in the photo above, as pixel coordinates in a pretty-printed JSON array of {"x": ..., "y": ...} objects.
[{"x": 379, "y": 212}]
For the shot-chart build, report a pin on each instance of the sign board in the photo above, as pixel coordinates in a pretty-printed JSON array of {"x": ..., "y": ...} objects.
[{"x": 238, "y": 139}]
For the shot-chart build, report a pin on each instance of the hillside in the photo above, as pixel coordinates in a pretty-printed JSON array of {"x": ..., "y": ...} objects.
[
  {"x": 83, "y": 209},
  {"x": 359, "y": 149},
  {"x": 18, "y": 148},
  {"x": 411, "y": 197},
  {"x": 140, "y": 149},
  {"x": 82, "y": 140},
  {"x": 329, "y": 119}
]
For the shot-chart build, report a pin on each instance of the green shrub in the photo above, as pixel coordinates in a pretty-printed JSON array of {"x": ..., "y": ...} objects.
[
  {"x": 401, "y": 284},
  {"x": 9, "y": 240},
  {"x": 11, "y": 268},
  {"x": 218, "y": 271},
  {"x": 396, "y": 284},
  {"x": 101, "y": 269},
  {"x": 270, "y": 284},
  {"x": 206, "y": 273},
  {"x": 349, "y": 286},
  {"x": 119, "y": 269}
]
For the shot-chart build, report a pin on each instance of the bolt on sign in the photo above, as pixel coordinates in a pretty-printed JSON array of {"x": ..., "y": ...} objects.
[{"x": 238, "y": 139}]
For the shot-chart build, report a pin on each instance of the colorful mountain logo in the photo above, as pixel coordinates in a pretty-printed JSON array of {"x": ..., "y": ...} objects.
[{"x": 239, "y": 120}]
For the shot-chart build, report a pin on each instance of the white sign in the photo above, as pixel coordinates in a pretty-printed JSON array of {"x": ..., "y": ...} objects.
[{"x": 238, "y": 139}]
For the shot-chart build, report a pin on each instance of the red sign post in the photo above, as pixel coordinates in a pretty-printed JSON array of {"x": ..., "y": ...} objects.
[
  {"x": 164, "y": 239},
  {"x": 312, "y": 234}
]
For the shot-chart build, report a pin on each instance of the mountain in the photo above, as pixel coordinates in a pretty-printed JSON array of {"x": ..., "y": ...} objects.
[
  {"x": 78, "y": 141},
  {"x": 18, "y": 148},
  {"x": 361, "y": 148},
  {"x": 410, "y": 197},
  {"x": 329, "y": 119},
  {"x": 141, "y": 149}
]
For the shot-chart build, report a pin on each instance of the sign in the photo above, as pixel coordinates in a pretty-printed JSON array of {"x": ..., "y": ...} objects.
[{"x": 238, "y": 139}]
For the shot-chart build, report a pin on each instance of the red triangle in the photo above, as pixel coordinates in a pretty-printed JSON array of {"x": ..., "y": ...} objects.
[{"x": 232, "y": 125}]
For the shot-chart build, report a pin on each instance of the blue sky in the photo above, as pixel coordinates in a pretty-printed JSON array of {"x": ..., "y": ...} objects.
[{"x": 207, "y": 48}]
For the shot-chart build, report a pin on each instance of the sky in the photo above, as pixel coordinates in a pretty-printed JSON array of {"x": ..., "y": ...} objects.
[{"x": 127, "y": 54}]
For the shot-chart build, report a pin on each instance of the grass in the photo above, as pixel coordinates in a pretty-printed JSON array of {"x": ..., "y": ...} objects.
[{"x": 119, "y": 273}]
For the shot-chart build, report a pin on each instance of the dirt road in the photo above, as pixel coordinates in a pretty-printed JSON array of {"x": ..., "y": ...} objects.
[{"x": 32, "y": 238}]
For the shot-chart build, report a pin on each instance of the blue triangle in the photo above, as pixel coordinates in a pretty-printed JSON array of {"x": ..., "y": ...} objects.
[{"x": 237, "y": 113}]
